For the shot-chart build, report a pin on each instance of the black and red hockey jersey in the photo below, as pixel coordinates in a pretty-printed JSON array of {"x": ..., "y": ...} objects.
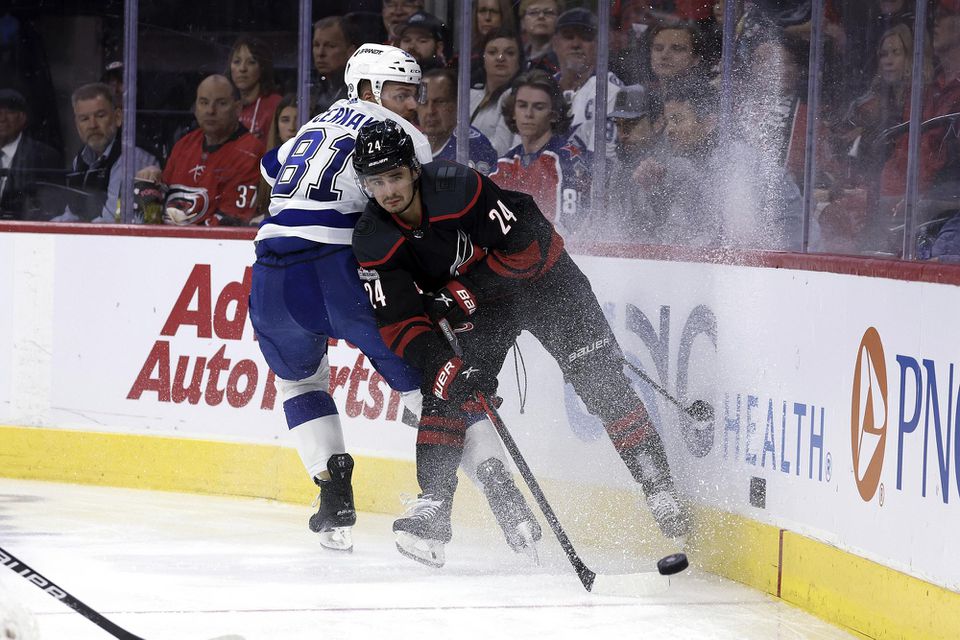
[{"x": 492, "y": 241}]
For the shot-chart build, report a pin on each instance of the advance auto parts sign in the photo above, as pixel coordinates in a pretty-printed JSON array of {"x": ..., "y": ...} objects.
[{"x": 868, "y": 414}]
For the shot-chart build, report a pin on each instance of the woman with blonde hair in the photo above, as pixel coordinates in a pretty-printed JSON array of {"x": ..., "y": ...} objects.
[{"x": 886, "y": 101}]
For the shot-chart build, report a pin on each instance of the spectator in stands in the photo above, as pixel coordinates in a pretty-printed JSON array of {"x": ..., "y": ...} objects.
[
  {"x": 502, "y": 62},
  {"x": 773, "y": 110},
  {"x": 214, "y": 171},
  {"x": 23, "y": 160},
  {"x": 334, "y": 41},
  {"x": 422, "y": 37},
  {"x": 489, "y": 17},
  {"x": 638, "y": 131},
  {"x": 538, "y": 23},
  {"x": 547, "y": 164},
  {"x": 676, "y": 55},
  {"x": 395, "y": 15},
  {"x": 884, "y": 105},
  {"x": 940, "y": 142},
  {"x": 492, "y": 15},
  {"x": 251, "y": 71},
  {"x": 97, "y": 167},
  {"x": 283, "y": 127},
  {"x": 710, "y": 195},
  {"x": 438, "y": 121},
  {"x": 575, "y": 44},
  {"x": 285, "y": 123}
]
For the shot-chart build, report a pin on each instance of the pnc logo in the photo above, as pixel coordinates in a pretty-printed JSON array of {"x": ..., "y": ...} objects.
[{"x": 868, "y": 414}]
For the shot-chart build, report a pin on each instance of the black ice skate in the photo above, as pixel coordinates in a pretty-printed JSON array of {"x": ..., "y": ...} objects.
[
  {"x": 510, "y": 508},
  {"x": 661, "y": 496},
  {"x": 424, "y": 528},
  {"x": 336, "y": 516}
]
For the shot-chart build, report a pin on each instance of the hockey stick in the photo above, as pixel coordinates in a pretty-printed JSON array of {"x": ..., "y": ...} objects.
[
  {"x": 617, "y": 584},
  {"x": 583, "y": 572},
  {"x": 23, "y": 570},
  {"x": 700, "y": 410}
]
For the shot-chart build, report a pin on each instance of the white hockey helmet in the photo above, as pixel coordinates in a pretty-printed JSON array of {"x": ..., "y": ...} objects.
[{"x": 379, "y": 63}]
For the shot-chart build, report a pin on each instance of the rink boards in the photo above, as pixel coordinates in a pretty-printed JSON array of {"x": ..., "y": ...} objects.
[{"x": 834, "y": 449}]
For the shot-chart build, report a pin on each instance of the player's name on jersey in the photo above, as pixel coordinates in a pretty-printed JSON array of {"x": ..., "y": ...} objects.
[{"x": 344, "y": 116}]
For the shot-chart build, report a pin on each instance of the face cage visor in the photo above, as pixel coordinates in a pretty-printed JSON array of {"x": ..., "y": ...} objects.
[{"x": 419, "y": 91}]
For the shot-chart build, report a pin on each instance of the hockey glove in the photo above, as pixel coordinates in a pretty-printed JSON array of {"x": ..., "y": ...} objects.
[
  {"x": 454, "y": 302},
  {"x": 458, "y": 382}
]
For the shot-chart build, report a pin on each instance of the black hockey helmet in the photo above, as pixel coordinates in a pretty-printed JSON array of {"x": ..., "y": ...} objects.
[{"x": 382, "y": 146}]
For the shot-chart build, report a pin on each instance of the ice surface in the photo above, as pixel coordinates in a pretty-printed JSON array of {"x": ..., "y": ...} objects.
[{"x": 186, "y": 567}]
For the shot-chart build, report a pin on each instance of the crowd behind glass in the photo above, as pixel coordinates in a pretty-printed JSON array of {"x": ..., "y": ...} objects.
[{"x": 704, "y": 145}]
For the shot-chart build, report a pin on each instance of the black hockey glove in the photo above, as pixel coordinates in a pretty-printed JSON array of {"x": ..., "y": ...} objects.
[
  {"x": 459, "y": 382},
  {"x": 454, "y": 302}
]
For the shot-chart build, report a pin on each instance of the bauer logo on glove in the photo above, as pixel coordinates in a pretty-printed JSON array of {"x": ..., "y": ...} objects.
[
  {"x": 453, "y": 302},
  {"x": 459, "y": 382}
]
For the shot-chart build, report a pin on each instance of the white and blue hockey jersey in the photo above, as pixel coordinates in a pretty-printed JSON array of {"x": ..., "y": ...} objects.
[{"x": 314, "y": 191}]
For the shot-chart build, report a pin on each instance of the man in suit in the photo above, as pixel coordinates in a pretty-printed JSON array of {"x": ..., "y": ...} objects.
[{"x": 23, "y": 161}]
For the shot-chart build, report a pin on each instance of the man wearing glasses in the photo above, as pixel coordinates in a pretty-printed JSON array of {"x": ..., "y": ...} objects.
[
  {"x": 395, "y": 15},
  {"x": 538, "y": 22}
]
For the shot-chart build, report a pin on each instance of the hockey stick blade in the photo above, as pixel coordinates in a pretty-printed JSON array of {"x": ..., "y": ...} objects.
[
  {"x": 630, "y": 585},
  {"x": 23, "y": 570}
]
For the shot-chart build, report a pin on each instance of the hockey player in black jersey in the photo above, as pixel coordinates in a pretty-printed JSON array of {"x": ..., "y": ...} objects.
[{"x": 442, "y": 241}]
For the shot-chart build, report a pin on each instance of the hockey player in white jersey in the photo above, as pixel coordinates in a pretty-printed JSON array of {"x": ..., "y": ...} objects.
[{"x": 307, "y": 287}]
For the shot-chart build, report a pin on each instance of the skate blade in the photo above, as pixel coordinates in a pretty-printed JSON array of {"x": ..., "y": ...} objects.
[
  {"x": 337, "y": 539},
  {"x": 428, "y": 552},
  {"x": 525, "y": 543},
  {"x": 531, "y": 552}
]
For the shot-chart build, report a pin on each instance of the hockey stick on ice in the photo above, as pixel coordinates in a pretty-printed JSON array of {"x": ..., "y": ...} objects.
[
  {"x": 624, "y": 584},
  {"x": 631, "y": 584},
  {"x": 700, "y": 410},
  {"x": 583, "y": 572},
  {"x": 23, "y": 570}
]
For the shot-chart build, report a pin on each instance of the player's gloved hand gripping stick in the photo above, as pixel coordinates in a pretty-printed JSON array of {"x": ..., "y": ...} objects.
[{"x": 669, "y": 565}]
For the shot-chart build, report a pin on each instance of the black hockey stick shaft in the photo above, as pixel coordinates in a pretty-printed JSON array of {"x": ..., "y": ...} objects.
[
  {"x": 583, "y": 572},
  {"x": 699, "y": 410},
  {"x": 30, "y": 575}
]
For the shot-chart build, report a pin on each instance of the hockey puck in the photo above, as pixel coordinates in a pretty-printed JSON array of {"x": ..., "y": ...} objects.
[{"x": 672, "y": 564}]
